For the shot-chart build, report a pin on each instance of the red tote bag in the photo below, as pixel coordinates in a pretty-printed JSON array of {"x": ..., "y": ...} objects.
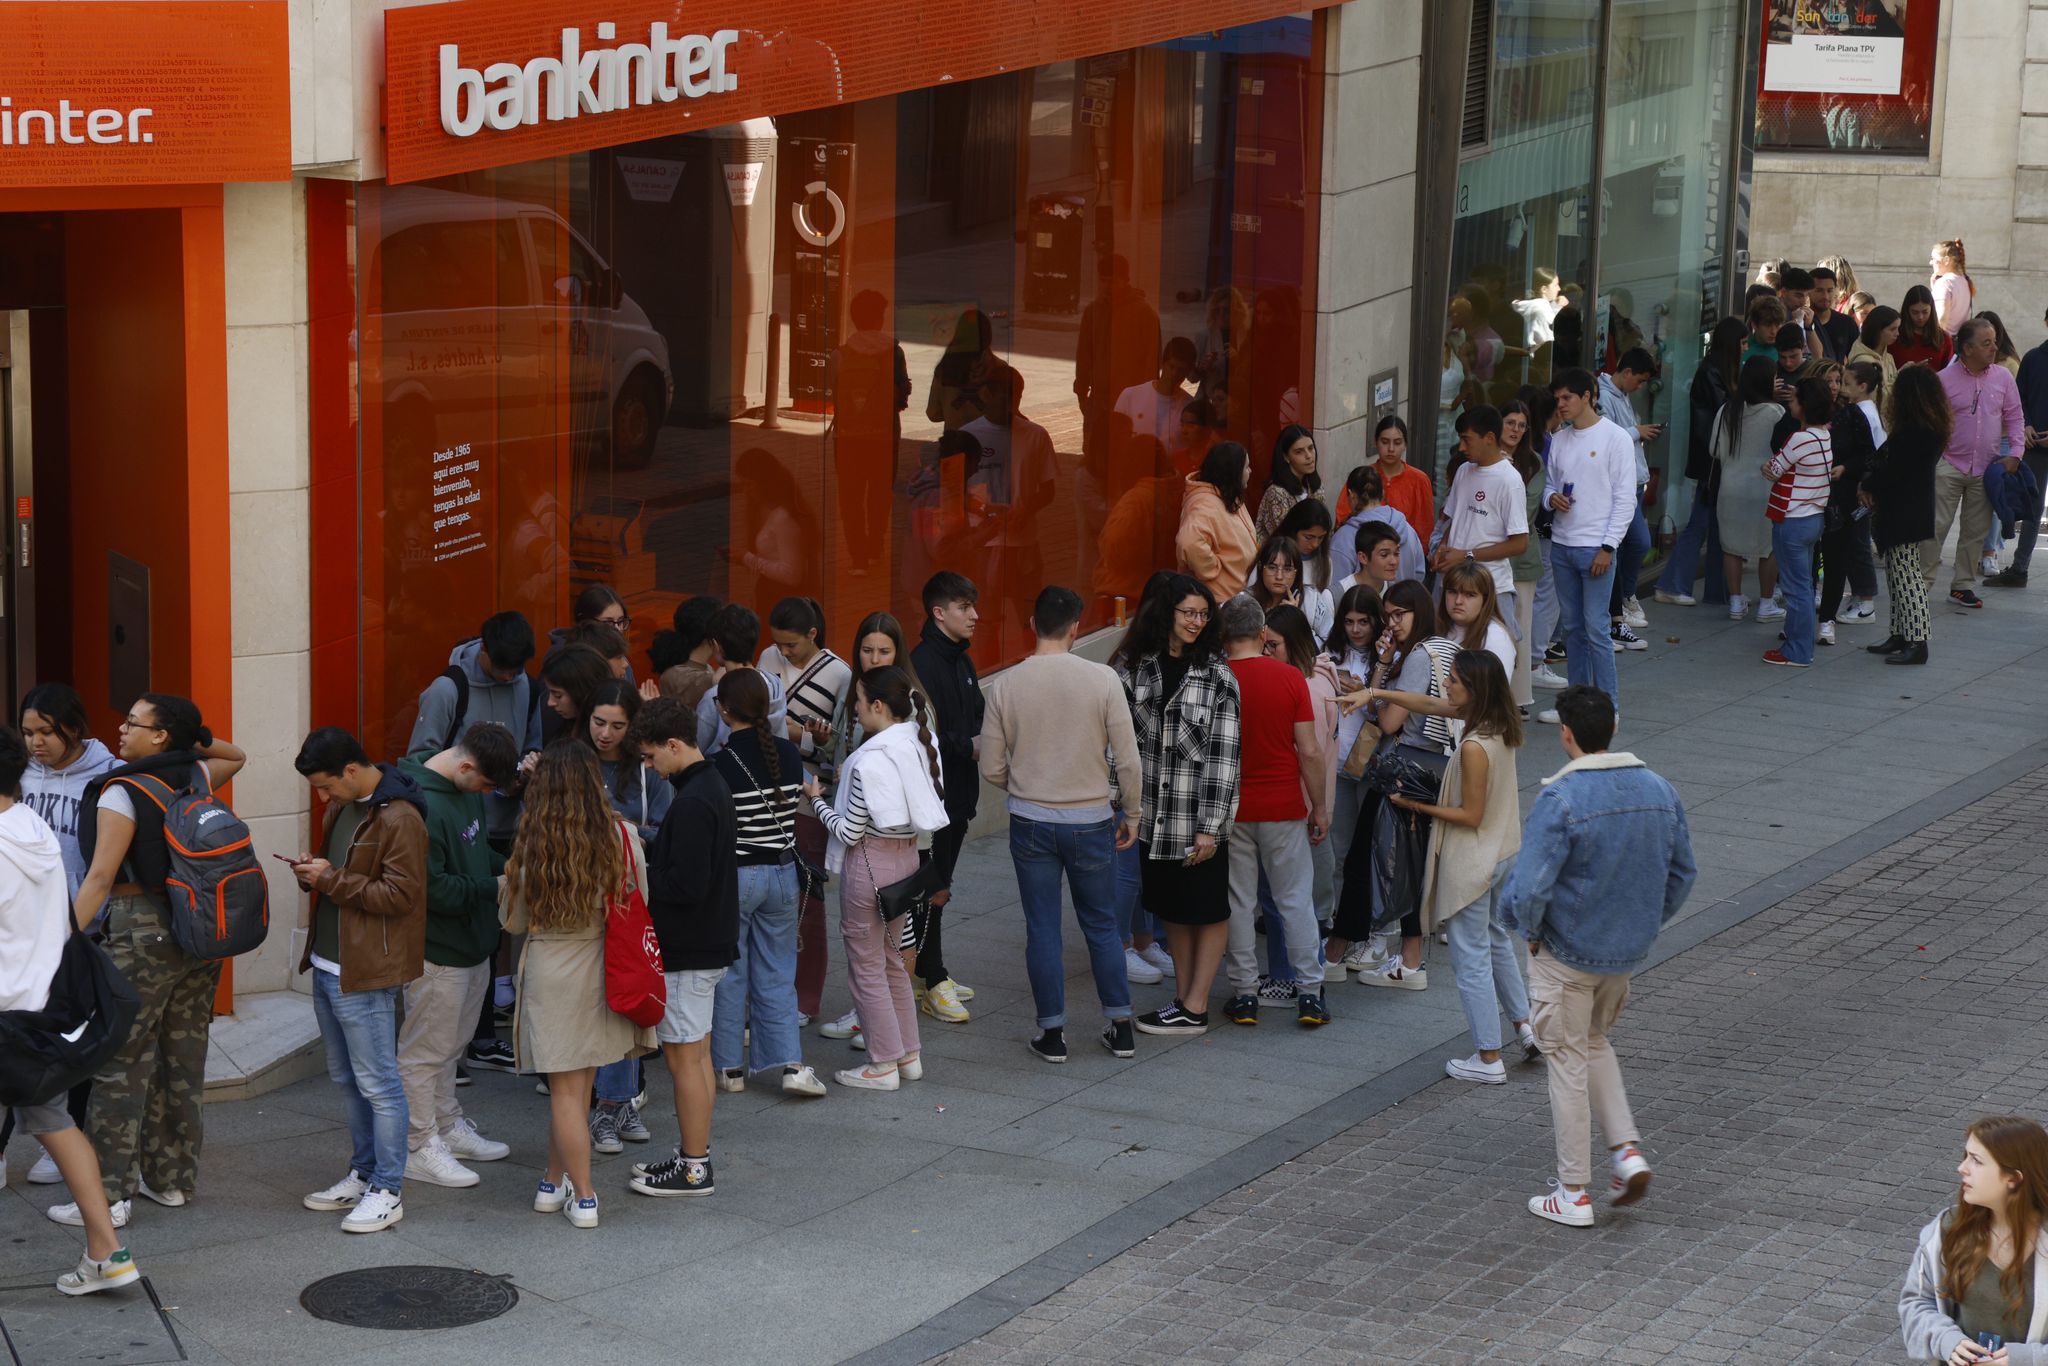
[{"x": 633, "y": 982}]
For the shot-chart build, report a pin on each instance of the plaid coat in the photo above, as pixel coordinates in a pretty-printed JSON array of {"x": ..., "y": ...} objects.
[{"x": 1188, "y": 744}]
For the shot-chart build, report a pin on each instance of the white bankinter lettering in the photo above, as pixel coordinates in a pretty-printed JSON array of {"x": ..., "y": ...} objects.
[
  {"x": 107, "y": 127},
  {"x": 578, "y": 81}
]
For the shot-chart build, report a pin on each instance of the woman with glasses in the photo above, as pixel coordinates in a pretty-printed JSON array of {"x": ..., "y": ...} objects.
[
  {"x": 145, "y": 1119},
  {"x": 1184, "y": 706}
]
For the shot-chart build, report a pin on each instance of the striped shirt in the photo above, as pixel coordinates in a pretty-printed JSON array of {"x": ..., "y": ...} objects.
[
  {"x": 855, "y": 825},
  {"x": 811, "y": 693},
  {"x": 1800, "y": 475},
  {"x": 764, "y": 807}
]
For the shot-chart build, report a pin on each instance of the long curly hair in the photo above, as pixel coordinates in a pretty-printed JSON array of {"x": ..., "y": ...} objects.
[
  {"x": 567, "y": 861},
  {"x": 2020, "y": 1148}
]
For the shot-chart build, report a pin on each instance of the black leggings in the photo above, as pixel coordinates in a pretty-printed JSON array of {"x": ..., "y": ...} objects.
[{"x": 928, "y": 922}]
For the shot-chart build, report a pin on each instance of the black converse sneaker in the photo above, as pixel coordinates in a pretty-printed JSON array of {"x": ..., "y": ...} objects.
[
  {"x": 1119, "y": 1039},
  {"x": 1050, "y": 1044},
  {"x": 677, "y": 1176}
]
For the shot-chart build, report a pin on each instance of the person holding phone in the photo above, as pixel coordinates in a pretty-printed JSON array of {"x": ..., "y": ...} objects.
[
  {"x": 1980, "y": 1271},
  {"x": 1184, "y": 709},
  {"x": 1593, "y": 494}
]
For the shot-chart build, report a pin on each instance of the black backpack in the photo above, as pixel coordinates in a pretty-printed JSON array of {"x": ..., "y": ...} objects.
[
  {"x": 455, "y": 674},
  {"x": 44, "y": 1053}
]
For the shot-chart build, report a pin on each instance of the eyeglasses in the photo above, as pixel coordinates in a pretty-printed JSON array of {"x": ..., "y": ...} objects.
[
  {"x": 618, "y": 623},
  {"x": 130, "y": 723},
  {"x": 1393, "y": 612},
  {"x": 1191, "y": 613}
]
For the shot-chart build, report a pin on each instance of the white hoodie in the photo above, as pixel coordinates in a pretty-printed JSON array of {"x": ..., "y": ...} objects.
[{"x": 35, "y": 909}]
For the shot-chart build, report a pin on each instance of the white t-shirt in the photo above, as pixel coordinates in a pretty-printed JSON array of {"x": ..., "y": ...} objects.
[
  {"x": 1153, "y": 413},
  {"x": 1488, "y": 504},
  {"x": 1878, "y": 435}
]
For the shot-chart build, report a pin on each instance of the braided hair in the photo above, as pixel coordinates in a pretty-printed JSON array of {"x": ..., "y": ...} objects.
[
  {"x": 890, "y": 685},
  {"x": 743, "y": 693}
]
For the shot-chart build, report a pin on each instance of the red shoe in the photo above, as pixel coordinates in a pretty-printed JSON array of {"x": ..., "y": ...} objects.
[{"x": 1778, "y": 657}]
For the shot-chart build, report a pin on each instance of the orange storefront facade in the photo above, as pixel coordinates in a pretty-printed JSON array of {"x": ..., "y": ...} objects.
[{"x": 793, "y": 298}]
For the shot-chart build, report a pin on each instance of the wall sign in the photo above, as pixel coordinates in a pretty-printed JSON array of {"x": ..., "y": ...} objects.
[
  {"x": 1847, "y": 76},
  {"x": 139, "y": 93},
  {"x": 476, "y": 83}
]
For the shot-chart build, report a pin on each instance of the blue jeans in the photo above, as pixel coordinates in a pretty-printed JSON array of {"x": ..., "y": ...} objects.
[
  {"x": 1131, "y": 917},
  {"x": 1628, "y": 559},
  {"x": 360, "y": 1029},
  {"x": 1792, "y": 543},
  {"x": 1041, "y": 851},
  {"x": 1483, "y": 961},
  {"x": 758, "y": 991},
  {"x": 618, "y": 1082},
  {"x": 1701, "y": 536},
  {"x": 1582, "y": 612}
]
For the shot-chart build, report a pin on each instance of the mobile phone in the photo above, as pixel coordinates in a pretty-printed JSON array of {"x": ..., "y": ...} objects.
[
  {"x": 286, "y": 858},
  {"x": 1188, "y": 852},
  {"x": 1568, "y": 489}
]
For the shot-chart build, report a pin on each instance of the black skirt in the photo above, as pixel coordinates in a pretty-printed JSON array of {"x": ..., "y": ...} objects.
[{"x": 1183, "y": 895}]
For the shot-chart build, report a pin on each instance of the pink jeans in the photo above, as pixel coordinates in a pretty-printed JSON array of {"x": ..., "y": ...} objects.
[{"x": 874, "y": 968}]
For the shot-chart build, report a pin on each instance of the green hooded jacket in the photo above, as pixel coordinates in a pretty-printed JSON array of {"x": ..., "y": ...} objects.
[{"x": 462, "y": 872}]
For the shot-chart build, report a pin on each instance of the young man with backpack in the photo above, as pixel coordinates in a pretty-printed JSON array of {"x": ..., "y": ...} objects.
[
  {"x": 941, "y": 662},
  {"x": 35, "y": 928},
  {"x": 441, "y": 1004},
  {"x": 486, "y": 680},
  {"x": 734, "y": 633},
  {"x": 693, "y": 897},
  {"x": 369, "y": 922}
]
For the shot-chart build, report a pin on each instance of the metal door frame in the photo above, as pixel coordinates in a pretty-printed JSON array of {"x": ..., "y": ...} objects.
[{"x": 18, "y": 583}]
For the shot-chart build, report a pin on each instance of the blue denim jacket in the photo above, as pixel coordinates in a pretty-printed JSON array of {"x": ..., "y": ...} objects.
[{"x": 1605, "y": 861}]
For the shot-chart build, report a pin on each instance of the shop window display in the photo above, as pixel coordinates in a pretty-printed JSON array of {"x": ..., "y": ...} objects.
[{"x": 986, "y": 327}]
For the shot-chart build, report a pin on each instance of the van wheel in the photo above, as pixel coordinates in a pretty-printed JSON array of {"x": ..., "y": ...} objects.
[{"x": 636, "y": 421}]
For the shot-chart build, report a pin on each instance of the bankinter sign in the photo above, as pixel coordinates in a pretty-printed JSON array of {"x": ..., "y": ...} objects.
[
  {"x": 143, "y": 93},
  {"x": 475, "y": 83},
  {"x": 583, "y": 80}
]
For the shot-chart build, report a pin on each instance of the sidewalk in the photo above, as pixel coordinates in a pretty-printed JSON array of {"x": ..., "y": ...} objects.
[
  {"x": 844, "y": 1223},
  {"x": 1802, "y": 1081}
]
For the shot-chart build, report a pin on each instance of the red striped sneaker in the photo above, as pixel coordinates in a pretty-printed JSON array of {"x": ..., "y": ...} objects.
[
  {"x": 1573, "y": 1209},
  {"x": 1631, "y": 1175}
]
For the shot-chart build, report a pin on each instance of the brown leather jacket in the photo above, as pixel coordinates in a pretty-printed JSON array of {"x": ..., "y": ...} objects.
[{"x": 381, "y": 888}]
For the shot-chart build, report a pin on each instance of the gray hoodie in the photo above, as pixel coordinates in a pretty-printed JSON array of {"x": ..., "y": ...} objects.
[
  {"x": 489, "y": 700},
  {"x": 54, "y": 794},
  {"x": 1927, "y": 1317}
]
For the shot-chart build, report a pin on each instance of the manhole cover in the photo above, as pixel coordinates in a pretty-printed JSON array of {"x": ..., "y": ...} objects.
[{"x": 409, "y": 1297}]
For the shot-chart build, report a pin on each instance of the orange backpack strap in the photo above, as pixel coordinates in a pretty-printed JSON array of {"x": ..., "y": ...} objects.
[{"x": 144, "y": 783}]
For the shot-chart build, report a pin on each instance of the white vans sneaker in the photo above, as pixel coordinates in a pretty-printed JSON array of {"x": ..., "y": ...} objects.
[
  {"x": 343, "y": 1194},
  {"x": 69, "y": 1216},
  {"x": 1140, "y": 971},
  {"x": 434, "y": 1165},
  {"x": 44, "y": 1173},
  {"x": 378, "y": 1210},
  {"x": 1493, "y": 1073},
  {"x": 1573, "y": 1209}
]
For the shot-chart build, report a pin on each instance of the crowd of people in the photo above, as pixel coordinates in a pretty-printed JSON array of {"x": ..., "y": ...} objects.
[{"x": 1297, "y": 768}]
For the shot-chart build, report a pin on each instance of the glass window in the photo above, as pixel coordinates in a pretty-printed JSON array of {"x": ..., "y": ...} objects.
[{"x": 987, "y": 327}]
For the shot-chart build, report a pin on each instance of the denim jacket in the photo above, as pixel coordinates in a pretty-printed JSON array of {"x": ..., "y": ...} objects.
[{"x": 1605, "y": 862}]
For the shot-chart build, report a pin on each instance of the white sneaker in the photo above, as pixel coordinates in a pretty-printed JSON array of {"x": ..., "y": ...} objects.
[
  {"x": 1139, "y": 970},
  {"x": 1393, "y": 973},
  {"x": 550, "y": 1196},
  {"x": 376, "y": 1211},
  {"x": 465, "y": 1142},
  {"x": 435, "y": 1165},
  {"x": 1675, "y": 599},
  {"x": 1526, "y": 1037},
  {"x": 91, "y": 1277},
  {"x": 1631, "y": 1176},
  {"x": 1988, "y": 566},
  {"x": 582, "y": 1211},
  {"x": 168, "y": 1199},
  {"x": 1738, "y": 607},
  {"x": 44, "y": 1173},
  {"x": 1573, "y": 1209},
  {"x": 1770, "y": 611},
  {"x": 1632, "y": 613},
  {"x": 343, "y": 1194},
  {"x": 1826, "y": 634},
  {"x": 1549, "y": 717},
  {"x": 1493, "y": 1073},
  {"x": 911, "y": 1069},
  {"x": 732, "y": 1081},
  {"x": 802, "y": 1082},
  {"x": 1155, "y": 954},
  {"x": 847, "y": 1026},
  {"x": 69, "y": 1216},
  {"x": 867, "y": 1079},
  {"x": 1857, "y": 612},
  {"x": 1547, "y": 677}
]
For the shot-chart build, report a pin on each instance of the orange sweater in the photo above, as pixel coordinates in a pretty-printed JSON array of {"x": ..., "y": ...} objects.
[{"x": 1215, "y": 544}]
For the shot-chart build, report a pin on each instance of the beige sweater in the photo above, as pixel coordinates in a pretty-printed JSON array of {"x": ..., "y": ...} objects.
[{"x": 1052, "y": 725}]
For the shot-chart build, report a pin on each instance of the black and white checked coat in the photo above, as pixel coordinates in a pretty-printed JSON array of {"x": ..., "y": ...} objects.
[{"x": 1188, "y": 746}]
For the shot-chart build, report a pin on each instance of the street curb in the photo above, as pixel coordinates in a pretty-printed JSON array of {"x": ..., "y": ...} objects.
[{"x": 1066, "y": 1262}]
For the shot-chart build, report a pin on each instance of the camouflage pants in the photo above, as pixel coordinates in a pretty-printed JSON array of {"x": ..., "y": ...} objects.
[{"x": 145, "y": 1101}]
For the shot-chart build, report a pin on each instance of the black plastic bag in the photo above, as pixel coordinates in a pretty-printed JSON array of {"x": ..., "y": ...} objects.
[{"x": 44, "y": 1053}]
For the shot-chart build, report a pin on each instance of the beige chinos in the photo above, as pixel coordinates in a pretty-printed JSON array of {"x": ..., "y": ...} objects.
[{"x": 1571, "y": 1014}]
